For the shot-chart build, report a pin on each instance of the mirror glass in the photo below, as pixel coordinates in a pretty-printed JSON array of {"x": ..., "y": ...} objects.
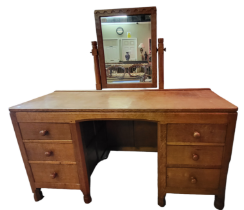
[{"x": 127, "y": 48}]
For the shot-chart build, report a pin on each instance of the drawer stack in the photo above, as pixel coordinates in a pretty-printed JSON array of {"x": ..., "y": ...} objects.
[
  {"x": 50, "y": 153},
  {"x": 194, "y": 155}
]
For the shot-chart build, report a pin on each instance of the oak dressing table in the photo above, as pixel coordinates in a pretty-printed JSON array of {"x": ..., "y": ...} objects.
[{"x": 62, "y": 136}]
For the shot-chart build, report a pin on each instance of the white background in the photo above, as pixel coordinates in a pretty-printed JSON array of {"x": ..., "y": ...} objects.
[{"x": 45, "y": 46}]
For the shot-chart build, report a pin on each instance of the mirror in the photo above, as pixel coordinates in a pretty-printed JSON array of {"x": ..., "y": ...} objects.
[{"x": 127, "y": 47}]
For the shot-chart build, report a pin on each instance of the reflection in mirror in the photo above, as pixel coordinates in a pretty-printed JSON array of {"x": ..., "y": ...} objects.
[{"x": 127, "y": 48}]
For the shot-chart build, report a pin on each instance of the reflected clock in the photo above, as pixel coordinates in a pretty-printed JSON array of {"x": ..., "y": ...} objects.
[{"x": 119, "y": 30}]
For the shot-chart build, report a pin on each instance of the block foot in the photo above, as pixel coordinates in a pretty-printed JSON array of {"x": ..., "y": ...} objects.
[
  {"x": 87, "y": 199},
  {"x": 162, "y": 201},
  {"x": 38, "y": 195},
  {"x": 219, "y": 203}
]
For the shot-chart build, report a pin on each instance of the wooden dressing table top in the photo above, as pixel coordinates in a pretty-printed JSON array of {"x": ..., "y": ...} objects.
[{"x": 188, "y": 100}]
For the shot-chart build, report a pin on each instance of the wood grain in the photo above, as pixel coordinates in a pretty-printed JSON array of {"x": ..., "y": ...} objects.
[
  {"x": 65, "y": 173},
  {"x": 69, "y": 186},
  {"x": 184, "y": 155},
  {"x": 138, "y": 149},
  {"x": 145, "y": 134},
  {"x": 53, "y": 162},
  {"x": 180, "y": 113},
  {"x": 23, "y": 151},
  {"x": 57, "y": 117},
  {"x": 220, "y": 197},
  {"x": 81, "y": 161},
  {"x": 202, "y": 191},
  {"x": 96, "y": 66},
  {"x": 59, "y": 152},
  {"x": 181, "y": 178},
  {"x": 49, "y": 141},
  {"x": 55, "y": 131},
  {"x": 162, "y": 163},
  {"x": 195, "y": 144},
  {"x": 103, "y": 101},
  {"x": 161, "y": 62},
  {"x": 213, "y": 133}
]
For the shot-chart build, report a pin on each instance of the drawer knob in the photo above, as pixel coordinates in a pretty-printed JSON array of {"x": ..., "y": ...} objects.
[
  {"x": 43, "y": 132},
  {"x": 193, "y": 180},
  {"x": 53, "y": 175},
  {"x": 195, "y": 157},
  {"x": 196, "y": 134},
  {"x": 48, "y": 154}
]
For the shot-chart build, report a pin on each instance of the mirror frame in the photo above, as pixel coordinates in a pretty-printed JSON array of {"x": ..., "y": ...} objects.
[{"x": 127, "y": 11}]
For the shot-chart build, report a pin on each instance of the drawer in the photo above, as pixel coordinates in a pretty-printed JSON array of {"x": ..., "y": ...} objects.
[
  {"x": 214, "y": 133},
  {"x": 54, "y": 173},
  {"x": 193, "y": 178},
  {"x": 195, "y": 155},
  {"x": 50, "y": 152},
  {"x": 45, "y": 131}
]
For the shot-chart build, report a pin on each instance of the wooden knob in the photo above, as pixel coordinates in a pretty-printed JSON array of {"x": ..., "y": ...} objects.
[
  {"x": 196, "y": 134},
  {"x": 43, "y": 132},
  {"x": 193, "y": 180},
  {"x": 53, "y": 175},
  {"x": 195, "y": 157},
  {"x": 48, "y": 154}
]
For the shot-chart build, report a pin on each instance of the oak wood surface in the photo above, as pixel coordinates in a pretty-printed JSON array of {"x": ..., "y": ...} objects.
[
  {"x": 133, "y": 135},
  {"x": 69, "y": 186},
  {"x": 202, "y": 191},
  {"x": 220, "y": 196},
  {"x": 181, "y": 178},
  {"x": 195, "y": 143},
  {"x": 96, "y": 66},
  {"x": 59, "y": 152},
  {"x": 65, "y": 173},
  {"x": 31, "y": 131},
  {"x": 24, "y": 154},
  {"x": 184, "y": 155},
  {"x": 49, "y": 141},
  {"x": 53, "y": 162},
  {"x": 103, "y": 101},
  {"x": 161, "y": 62},
  {"x": 145, "y": 134},
  {"x": 81, "y": 160},
  {"x": 138, "y": 149},
  {"x": 162, "y": 163},
  {"x": 213, "y": 133},
  {"x": 169, "y": 110},
  {"x": 163, "y": 118}
]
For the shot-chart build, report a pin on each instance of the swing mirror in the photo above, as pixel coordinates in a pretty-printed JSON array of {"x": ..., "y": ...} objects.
[{"x": 127, "y": 47}]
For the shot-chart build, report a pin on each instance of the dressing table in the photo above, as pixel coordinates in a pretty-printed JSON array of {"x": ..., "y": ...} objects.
[{"x": 62, "y": 136}]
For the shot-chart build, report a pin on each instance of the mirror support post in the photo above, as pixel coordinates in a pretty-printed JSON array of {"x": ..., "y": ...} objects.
[
  {"x": 161, "y": 62},
  {"x": 96, "y": 66}
]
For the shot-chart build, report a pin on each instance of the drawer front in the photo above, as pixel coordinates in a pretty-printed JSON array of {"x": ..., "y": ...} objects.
[
  {"x": 50, "y": 152},
  {"x": 195, "y": 155},
  {"x": 213, "y": 133},
  {"x": 193, "y": 178},
  {"x": 45, "y": 131},
  {"x": 52, "y": 173}
]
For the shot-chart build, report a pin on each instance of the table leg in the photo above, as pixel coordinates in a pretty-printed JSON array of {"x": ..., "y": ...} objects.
[
  {"x": 162, "y": 201},
  {"x": 87, "y": 198},
  {"x": 219, "y": 202},
  {"x": 38, "y": 194}
]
